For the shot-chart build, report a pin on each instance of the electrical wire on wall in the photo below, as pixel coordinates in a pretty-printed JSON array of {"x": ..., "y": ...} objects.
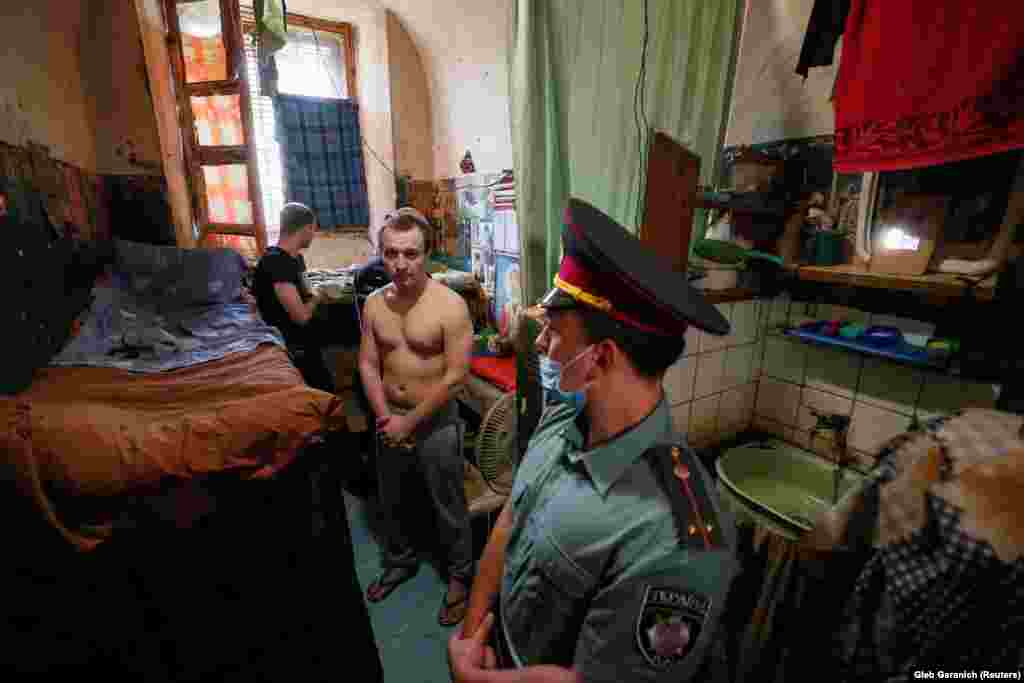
[
  {"x": 330, "y": 74},
  {"x": 337, "y": 88},
  {"x": 640, "y": 118}
]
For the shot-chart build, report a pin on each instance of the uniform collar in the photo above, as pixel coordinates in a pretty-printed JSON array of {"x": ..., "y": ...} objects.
[{"x": 609, "y": 461}]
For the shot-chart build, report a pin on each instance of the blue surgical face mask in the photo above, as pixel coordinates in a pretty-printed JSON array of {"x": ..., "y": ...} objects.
[{"x": 551, "y": 379}]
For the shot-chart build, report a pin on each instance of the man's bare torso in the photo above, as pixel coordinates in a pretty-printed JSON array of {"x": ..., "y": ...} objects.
[{"x": 410, "y": 340}]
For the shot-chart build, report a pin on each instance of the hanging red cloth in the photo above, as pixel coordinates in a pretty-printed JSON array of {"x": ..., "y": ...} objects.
[{"x": 924, "y": 82}]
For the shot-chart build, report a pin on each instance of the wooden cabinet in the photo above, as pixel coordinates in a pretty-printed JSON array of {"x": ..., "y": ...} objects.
[{"x": 670, "y": 198}]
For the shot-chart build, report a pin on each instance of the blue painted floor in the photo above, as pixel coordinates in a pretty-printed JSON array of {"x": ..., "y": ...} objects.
[{"x": 413, "y": 646}]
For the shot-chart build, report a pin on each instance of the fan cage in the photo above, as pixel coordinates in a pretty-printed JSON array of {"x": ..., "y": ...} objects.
[{"x": 496, "y": 452}]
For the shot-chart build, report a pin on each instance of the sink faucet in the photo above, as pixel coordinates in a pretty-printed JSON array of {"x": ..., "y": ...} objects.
[{"x": 839, "y": 425}]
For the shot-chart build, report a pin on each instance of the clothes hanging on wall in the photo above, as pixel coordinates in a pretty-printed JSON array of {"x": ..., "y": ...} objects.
[
  {"x": 922, "y": 82},
  {"x": 272, "y": 36},
  {"x": 823, "y": 30}
]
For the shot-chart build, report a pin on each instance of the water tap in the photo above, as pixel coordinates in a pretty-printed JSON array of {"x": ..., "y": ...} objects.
[{"x": 839, "y": 425}]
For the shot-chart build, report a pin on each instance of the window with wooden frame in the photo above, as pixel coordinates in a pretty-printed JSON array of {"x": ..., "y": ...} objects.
[
  {"x": 208, "y": 61},
  {"x": 317, "y": 61}
]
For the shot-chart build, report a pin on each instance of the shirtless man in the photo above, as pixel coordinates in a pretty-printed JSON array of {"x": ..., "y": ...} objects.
[{"x": 416, "y": 344}]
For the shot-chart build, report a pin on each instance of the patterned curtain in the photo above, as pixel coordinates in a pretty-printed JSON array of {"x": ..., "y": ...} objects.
[
  {"x": 322, "y": 155},
  {"x": 218, "y": 120},
  {"x": 205, "y": 59}
]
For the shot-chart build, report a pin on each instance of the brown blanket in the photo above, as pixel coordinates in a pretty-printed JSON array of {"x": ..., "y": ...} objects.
[{"x": 103, "y": 432}]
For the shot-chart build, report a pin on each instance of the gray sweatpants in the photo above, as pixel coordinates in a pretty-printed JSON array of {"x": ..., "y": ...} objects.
[{"x": 436, "y": 462}]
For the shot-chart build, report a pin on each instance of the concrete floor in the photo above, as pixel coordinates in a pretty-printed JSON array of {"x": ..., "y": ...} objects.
[{"x": 413, "y": 646}]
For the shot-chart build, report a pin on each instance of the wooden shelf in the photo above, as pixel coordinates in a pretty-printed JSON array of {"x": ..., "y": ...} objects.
[
  {"x": 710, "y": 204},
  {"x": 933, "y": 284},
  {"x": 721, "y": 296}
]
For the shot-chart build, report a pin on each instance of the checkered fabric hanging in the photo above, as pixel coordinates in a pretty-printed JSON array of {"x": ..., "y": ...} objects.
[{"x": 944, "y": 588}]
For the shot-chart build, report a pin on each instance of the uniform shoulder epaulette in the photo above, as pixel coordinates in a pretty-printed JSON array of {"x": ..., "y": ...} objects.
[{"x": 696, "y": 521}]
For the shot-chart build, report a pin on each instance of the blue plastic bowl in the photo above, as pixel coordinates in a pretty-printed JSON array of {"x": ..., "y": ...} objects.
[{"x": 881, "y": 335}]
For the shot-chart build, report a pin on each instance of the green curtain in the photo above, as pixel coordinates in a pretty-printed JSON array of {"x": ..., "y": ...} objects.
[{"x": 573, "y": 68}]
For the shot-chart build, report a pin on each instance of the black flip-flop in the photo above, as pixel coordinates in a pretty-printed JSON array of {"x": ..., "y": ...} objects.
[{"x": 387, "y": 587}]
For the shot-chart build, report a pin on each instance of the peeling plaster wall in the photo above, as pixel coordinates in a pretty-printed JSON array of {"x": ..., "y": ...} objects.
[
  {"x": 770, "y": 101},
  {"x": 42, "y": 97},
  {"x": 373, "y": 84},
  {"x": 411, "y": 107}
]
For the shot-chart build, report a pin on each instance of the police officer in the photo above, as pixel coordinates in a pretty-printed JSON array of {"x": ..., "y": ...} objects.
[{"x": 611, "y": 559}]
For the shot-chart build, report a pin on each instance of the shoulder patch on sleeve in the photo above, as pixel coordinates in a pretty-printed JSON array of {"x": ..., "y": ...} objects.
[{"x": 669, "y": 624}]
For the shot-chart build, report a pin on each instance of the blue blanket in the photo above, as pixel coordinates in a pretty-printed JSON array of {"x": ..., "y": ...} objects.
[{"x": 128, "y": 331}]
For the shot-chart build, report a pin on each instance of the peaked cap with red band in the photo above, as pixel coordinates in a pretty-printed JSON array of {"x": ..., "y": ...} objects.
[{"x": 605, "y": 267}]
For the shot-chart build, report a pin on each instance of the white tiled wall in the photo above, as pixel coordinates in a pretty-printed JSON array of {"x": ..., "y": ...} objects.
[
  {"x": 880, "y": 396},
  {"x": 712, "y": 387},
  {"x": 755, "y": 376}
]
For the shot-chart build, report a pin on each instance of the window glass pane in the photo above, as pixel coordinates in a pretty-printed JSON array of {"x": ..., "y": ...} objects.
[
  {"x": 312, "y": 64},
  {"x": 202, "y": 42},
  {"x": 218, "y": 120},
  {"x": 268, "y": 151},
  {"x": 227, "y": 194}
]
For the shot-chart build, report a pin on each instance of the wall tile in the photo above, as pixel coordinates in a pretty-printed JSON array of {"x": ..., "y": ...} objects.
[
  {"x": 737, "y": 408},
  {"x": 778, "y": 401},
  {"x": 865, "y": 461},
  {"x": 785, "y": 359},
  {"x": 846, "y": 314},
  {"x": 802, "y": 312},
  {"x": 941, "y": 395},
  {"x": 833, "y": 371},
  {"x": 770, "y": 426},
  {"x": 760, "y": 346},
  {"x": 681, "y": 418},
  {"x": 710, "y": 367},
  {"x": 714, "y": 342},
  {"x": 745, "y": 315},
  {"x": 678, "y": 382},
  {"x": 823, "y": 402},
  {"x": 888, "y": 385},
  {"x": 796, "y": 436},
  {"x": 777, "y": 312},
  {"x": 693, "y": 341},
  {"x": 873, "y": 426},
  {"x": 704, "y": 421},
  {"x": 977, "y": 395},
  {"x": 739, "y": 365}
]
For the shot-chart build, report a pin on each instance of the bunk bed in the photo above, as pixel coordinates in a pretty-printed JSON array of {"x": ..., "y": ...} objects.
[{"x": 170, "y": 488}]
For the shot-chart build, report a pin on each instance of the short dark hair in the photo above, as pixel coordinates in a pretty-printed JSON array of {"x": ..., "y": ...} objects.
[
  {"x": 295, "y": 217},
  {"x": 408, "y": 218},
  {"x": 650, "y": 354}
]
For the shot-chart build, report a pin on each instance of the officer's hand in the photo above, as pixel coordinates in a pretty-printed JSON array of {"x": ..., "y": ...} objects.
[{"x": 468, "y": 656}]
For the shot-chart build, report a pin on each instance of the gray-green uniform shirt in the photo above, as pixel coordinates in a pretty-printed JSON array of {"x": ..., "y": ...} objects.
[{"x": 596, "y": 576}]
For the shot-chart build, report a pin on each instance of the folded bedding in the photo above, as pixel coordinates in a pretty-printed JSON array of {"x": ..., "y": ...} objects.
[{"x": 136, "y": 332}]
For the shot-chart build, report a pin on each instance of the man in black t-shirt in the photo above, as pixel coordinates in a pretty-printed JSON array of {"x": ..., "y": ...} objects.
[{"x": 284, "y": 299}]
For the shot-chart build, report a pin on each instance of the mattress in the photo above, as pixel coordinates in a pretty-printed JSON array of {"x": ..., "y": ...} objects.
[{"x": 104, "y": 432}]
